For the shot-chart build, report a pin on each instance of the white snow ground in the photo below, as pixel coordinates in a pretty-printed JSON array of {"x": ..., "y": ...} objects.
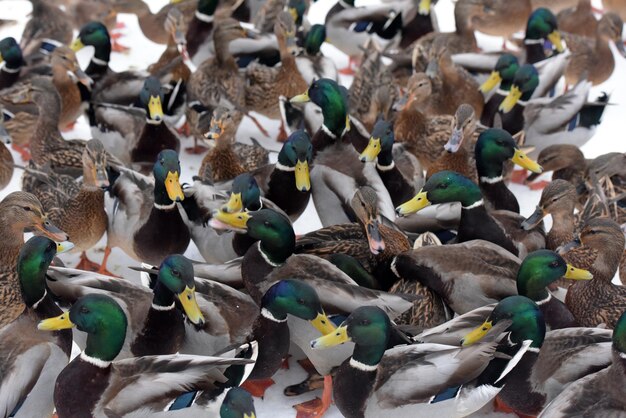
[{"x": 608, "y": 137}]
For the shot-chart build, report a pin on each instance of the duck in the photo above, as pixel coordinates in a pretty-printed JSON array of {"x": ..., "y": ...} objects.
[
  {"x": 566, "y": 161},
  {"x": 6, "y": 159},
  {"x": 493, "y": 148},
  {"x": 616, "y": 6},
  {"x": 608, "y": 299},
  {"x": 370, "y": 241},
  {"x": 102, "y": 317},
  {"x": 373, "y": 381},
  {"x": 501, "y": 77},
  {"x": 199, "y": 31},
  {"x": 599, "y": 386},
  {"x": 538, "y": 270},
  {"x": 594, "y": 60},
  {"x": 227, "y": 158},
  {"x": 559, "y": 199},
  {"x": 11, "y": 55},
  {"x": 146, "y": 209},
  {"x": 578, "y": 20},
  {"x": 76, "y": 206},
  {"x": 553, "y": 360},
  {"x": 311, "y": 62},
  {"x": 265, "y": 84},
  {"x": 32, "y": 395},
  {"x": 541, "y": 26},
  {"x": 170, "y": 316},
  {"x": 48, "y": 23},
  {"x": 503, "y": 18},
  {"x": 21, "y": 212},
  {"x": 475, "y": 222}
]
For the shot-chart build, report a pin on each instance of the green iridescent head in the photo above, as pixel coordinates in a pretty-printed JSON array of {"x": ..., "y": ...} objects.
[
  {"x": 292, "y": 297},
  {"x": 207, "y": 7},
  {"x": 314, "y": 39},
  {"x": 619, "y": 334},
  {"x": 502, "y": 74},
  {"x": 380, "y": 144},
  {"x": 151, "y": 98},
  {"x": 244, "y": 194},
  {"x": 525, "y": 318},
  {"x": 166, "y": 172},
  {"x": 297, "y": 155},
  {"x": 32, "y": 264},
  {"x": 297, "y": 9},
  {"x": 540, "y": 24},
  {"x": 332, "y": 99},
  {"x": 443, "y": 187},
  {"x": 524, "y": 84},
  {"x": 238, "y": 403},
  {"x": 368, "y": 327},
  {"x": 493, "y": 148},
  {"x": 541, "y": 268},
  {"x": 11, "y": 53},
  {"x": 176, "y": 279},
  {"x": 94, "y": 34}
]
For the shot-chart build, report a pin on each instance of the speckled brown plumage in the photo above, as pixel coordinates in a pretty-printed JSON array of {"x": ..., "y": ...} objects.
[
  {"x": 47, "y": 21},
  {"x": 503, "y": 18},
  {"x": 6, "y": 166},
  {"x": 578, "y": 20},
  {"x": 174, "y": 23},
  {"x": 63, "y": 62}
]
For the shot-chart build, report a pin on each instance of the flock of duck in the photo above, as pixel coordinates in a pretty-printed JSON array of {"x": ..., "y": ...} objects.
[{"x": 446, "y": 298}]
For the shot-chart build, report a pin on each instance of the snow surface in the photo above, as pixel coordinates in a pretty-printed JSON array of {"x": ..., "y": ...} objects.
[{"x": 608, "y": 137}]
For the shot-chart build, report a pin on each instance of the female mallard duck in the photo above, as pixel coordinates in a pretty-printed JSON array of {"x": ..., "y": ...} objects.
[
  {"x": 598, "y": 393},
  {"x": 265, "y": 84},
  {"x": 540, "y": 269},
  {"x": 156, "y": 325},
  {"x": 77, "y": 207},
  {"x": 578, "y": 20},
  {"x": 311, "y": 62},
  {"x": 493, "y": 148},
  {"x": 594, "y": 60},
  {"x": 597, "y": 301},
  {"x": 146, "y": 211},
  {"x": 227, "y": 158},
  {"x": 475, "y": 222},
  {"x": 541, "y": 26},
  {"x": 26, "y": 383},
  {"x": 47, "y": 22},
  {"x": 6, "y": 159},
  {"x": 370, "y": 241},
  {"x": 558, "y": 199},
  {"x": 567, "y": 162},
  {"x": 19, "y": 212},
  {"x": 81, "y": 388},
  {"x": 65, "y": 71},
  {"x": 11, "y": 55},
  {"x": 372, "y": 382}
]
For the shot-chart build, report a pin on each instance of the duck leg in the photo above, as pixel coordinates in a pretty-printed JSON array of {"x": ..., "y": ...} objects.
[
  {"x": 115, "y": 45},
  {"x": 86, "y": 264},
  {"x": 103, "y": 267},
  {"x": 24, "y": 153},
  {"x": 349, "y": 70},
  {"x": 257, "y": 387},
  {"x": 282, "y": 133},
  {"x": 317, "y": 407}
]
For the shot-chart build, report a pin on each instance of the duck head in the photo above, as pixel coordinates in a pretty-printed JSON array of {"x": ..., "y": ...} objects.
[
  {"x": 502, "y": 75},
  {"x": 333, "y": 100},
  {"x": 494, "y": 147},
  {"x": 297, "y": 155},
  {"x": 11, "y": 54},
  {"x": 558, "y": 197},
  {"x": 238, "y": 403},
  {"x": 94, "y": 34},
  {"x": 176, "y": 275},
  {"x": 542, "y": 25},
  {"x": 166, "y": 172},
  {"x": 463, "y": 126},
  {"x": 23, "y": 211},
  {"x": 524, "y": 84},
  {"x": 151, "y": 99}
]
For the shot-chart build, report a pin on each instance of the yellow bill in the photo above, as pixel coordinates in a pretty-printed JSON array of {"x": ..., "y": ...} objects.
[
  {"x": 523, "y": 161},
  {"x": 234, "y": 204},
  {"x": 155, "y": 109},
  {"x": 555, "y": 38},
  {"x": 65, "y": 246},
  {"x": 235, "y": 220},
  {"x": 303, "y": 179},
  {"x": 77, "y": 45},
  {"x": 491, "y": 83},
  {"x": 301, "y": 98},
  {"x": 1, "y": 58},
  {"x": 511, "y": 99},
  {"x": 57, "y": 323},
  {"x": 187, "y": 298},
  {"x": 250, "y": 415},
  {"x": 172, "y": 186},
  {"x": 338, "y": 336},
  {"x": 577, "y": 274},
  {"x": 424, "y": 7},
  {"x": 372, "y": 150},
  {"x": 323, "y": 324},
  {"x": 419, "y": 202},
  {"x": 294, "y": 13},
  {"x": 477, "y": 334}
]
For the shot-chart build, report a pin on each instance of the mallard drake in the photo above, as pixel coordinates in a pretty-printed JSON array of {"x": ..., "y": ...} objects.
[
  {"x": 20, "y": 212},
  {"x": 77, "y": 207},
  {"x": 540, "y": 269},
  {"x": 237, "y": 404},
  {"x": 567, "y": 162},
  {"x": 595, "y": 394},
  {"x": 65, "y": 72},
  {"x": 601, "y": 251},
  {"x": 475, "y": 222},
  {"x": 553, "y": 360},
  {"x": 493, "y": 148},
  {"x": 264, "y": 84},
  {"x": 558, "y": 199},
  {"x": 370, "y": 241},
  {"x": 47, "y": 23},
  {"x": 47, "y": 146},
  {"x": 373, "y": 382},
  {"x": 401, "y": 180},
  {"x": 157, "y": 325},
  {"x": 227, "y": 159},
  {"x": 311, "y": 62},
  {"x": 11, "y": 55},
  {"x": 578, "y": 20},
  {"x": 146, "y": 210},
  {"x": 542, "y": 25},
  {"x": 594, "y": 60},
  {"x": 459, "y": 156},
  {"x": 199, "y": 31},
  {"x": 106, "y": 324},
  {"x": 501, "y": 77},
  {"x": 26, "y": 383}
]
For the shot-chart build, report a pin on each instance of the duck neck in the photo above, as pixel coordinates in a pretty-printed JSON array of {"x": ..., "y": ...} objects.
[
  {"x": 277, "y": 251},
  {"x": 607, "y": 261},
  {"x": 49, "y": 105},
  {"x": 101, "y": 55},
  {"x": 105, "y": 345},
  {"x": 563, "y": 223},
  {"x": 163, "y": 298},
  {"x": 12, "y": 232},
  {"x": 367, "y": 357},
  {"x": 385, "y": 159},
  {"x": 534, "y": 50},
  {"x": 161, "y": 199},
  {"x": 533, "y": 288}
]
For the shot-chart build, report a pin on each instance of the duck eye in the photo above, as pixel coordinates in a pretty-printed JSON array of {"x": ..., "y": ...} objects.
[
  {"x": 301, "y": 301},
  {"x": 365, "y": 322},
  {"x": 442, "y": 186},
  {"x": 176, "y": 273},
  {"x": 266, "y": 223},
  {"x": 554, "y": 264},
  {"x": 84, "y": 310},
  {"x": 26, "y": 208}
]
